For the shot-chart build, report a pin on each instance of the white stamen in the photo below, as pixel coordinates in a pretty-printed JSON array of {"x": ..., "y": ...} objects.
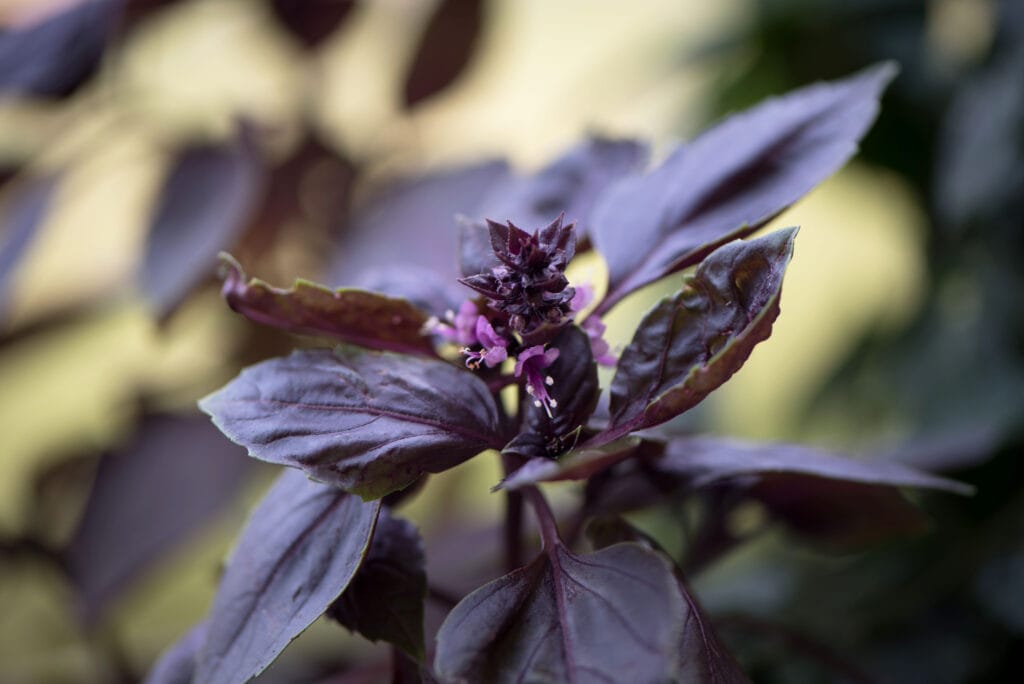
[
  {"x": 549, "y": 381},
  {"x": 450, "y": 315},
  {"x": 553, "y": 402},
  {"x": 536, "y": 403},
  {"x": 529, "y": 390}
]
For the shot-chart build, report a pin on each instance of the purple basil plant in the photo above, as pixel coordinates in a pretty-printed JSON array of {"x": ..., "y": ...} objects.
[{"x": 511, "y": 372}]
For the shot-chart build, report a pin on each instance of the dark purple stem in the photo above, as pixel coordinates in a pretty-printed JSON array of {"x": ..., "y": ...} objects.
[{"x": 546, "y": 519}]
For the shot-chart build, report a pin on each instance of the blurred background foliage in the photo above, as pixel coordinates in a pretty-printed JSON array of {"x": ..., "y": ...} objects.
[{"x": 139, "y": 137}]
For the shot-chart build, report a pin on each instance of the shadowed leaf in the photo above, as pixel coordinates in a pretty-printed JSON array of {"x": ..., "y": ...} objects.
[
  {"x": 385, "y": 600},
  {"x": 204, "y": 206},
  {"x": 445, "y": 49},
  {"x": 20, "y": 222},
  {"x": 298, "y": 552},
  {"x": 611, "y": 616},
  {"x": 370, "y": 423},
  {"x": 173, "y": 476},
  {"x": 54, "y": 56},
  {"x": 355, "y": 316},
  {"x": 731, "y": 180},
  {"x": 694, "y": 340},
  {"x": 312, "y": 21},
  {"x": 576, "y": 391},
  {"x": 575, "y": 465}
]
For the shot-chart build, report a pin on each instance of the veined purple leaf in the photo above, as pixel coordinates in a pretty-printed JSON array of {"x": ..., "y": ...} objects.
[
  {"x": 298, "y": 552},
  {"x": 385, "y": 600},
  {"x": 575, "y": 465},
  {"x": 702, "y": 658},
  {"x": 355, "y": 316},
  {"x": 575, "y": 390},
  {"x": 611, "y": 616},
  {"x": 54, "y": 56},
  {"x": 175, "y": 474},
  {"x": 370, "y": 423},
  {"x": 706, "y": 460},
  {"x": 445, "y": 49},
  {"x": 731, "y": 180},
  {"x": 177, "y": 664},
  {"x": 204, "y": 206},
  {"x": 694, "y": 340}
]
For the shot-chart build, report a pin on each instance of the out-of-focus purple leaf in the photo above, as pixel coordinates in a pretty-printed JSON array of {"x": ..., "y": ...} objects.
[
  {"x": 385, "y": 600},
  {"x": 611, "y": 616},
  {"x": 706, "y": 460},
  {"x": 368, "y": 422},
  {"x": 573, "y": 184},
  {"x": 576, "y": 391},
  {"x": 731, "y": 180},
  {"x": 694, "y": 340},
  {"x": 54, "y": 56},
  {"x": 205, "y": 205},
  {"x": 702, "y": 658},
  {"x": 312, "y": 21},
  {"x": 298, "y": 552},
  {"x": 355, "y": 316},
  {"x": 445, "y": 49},
  {"x": 173, "y": 476},
  {"x": 177, "y": 665},
  {"x": 405, "y": 236},
  {"x": 19, "y": 224}
]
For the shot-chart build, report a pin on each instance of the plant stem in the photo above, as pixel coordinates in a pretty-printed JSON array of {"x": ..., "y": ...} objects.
[
  {"x": 513, "y": 530},
  {"x": 548, "y": 526}
]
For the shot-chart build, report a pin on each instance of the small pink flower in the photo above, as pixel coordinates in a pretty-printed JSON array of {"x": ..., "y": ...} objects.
[
  {"x": 582, "y": 299},
  {"x": 595, "y": 328},
  {"x": 532, "y": 361},
  {"x": 459, "y": 328},
  {"x": 493, "y": 347}
]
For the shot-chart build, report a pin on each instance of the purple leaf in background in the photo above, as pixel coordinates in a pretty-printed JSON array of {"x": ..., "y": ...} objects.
[
  {"x": 312, "y": 21},
  {"x": 298, "y": 552},
  {"x": 612, "y": 616},
  {"x": 173, "y": 476},
  {"x": 694, "y": 340},
  {"x": 53, "y": 57},
  {"x": 349, "y": 315},
  {"x": 445, "y": 49},
  {"x": 731, "y": 180},
  {"x": 19, "y": 224},
  {"x": 385, "y": 600},
  {"x": 403, "y": 240},
  {"x": 204, "y": 206},
  {"x": 572, "y": 184},
  {"x": 177, "y": 664},
  {"x": 707, "y": 460},
  {"x": 367, "y": 422}
]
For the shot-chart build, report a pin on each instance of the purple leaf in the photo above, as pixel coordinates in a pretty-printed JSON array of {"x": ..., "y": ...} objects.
[
  {"x": 731, "y": 180},
  {"x": 173, "y": 476},
  {"x": 355, "y": 316},
  {"x": 611, "y": 616},
  {"x": 707, "y": 460},
  {"x": 445, "y": 49},
  {"x": 22, "y": 218},
  {"x": 54, "y": 56},
  {"x": 298, "y": 552},
  {"x": 575, "y": 390},
  {"x": 572, "y": 184},
  {"x": 385, "y": 600},
  {"x": 404, "y": 239},
  {"x": 312, "y": 21},
  {"x": 177, "y": 664},
  {"x": 370, "y": 423},
  {"x": 702, "y": 658},
  {"x": 694, "y": 340},
  {"x": 204, "y": 206},
  {"x": 575, "y": 465}
]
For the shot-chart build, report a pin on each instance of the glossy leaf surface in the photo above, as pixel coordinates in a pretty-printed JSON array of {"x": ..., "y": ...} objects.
[
  {"x": 203, "y": 208},
  {"x": 693, "y": 341},
  {"x": 611, "y": 616},
  {"x": 370, "y": 423},
  {"x": 349, "y": 315},
  {"x": 385, "y": 600},
  {"x": 732, "y": 179},
  {"x": 298, "y": 552}
]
